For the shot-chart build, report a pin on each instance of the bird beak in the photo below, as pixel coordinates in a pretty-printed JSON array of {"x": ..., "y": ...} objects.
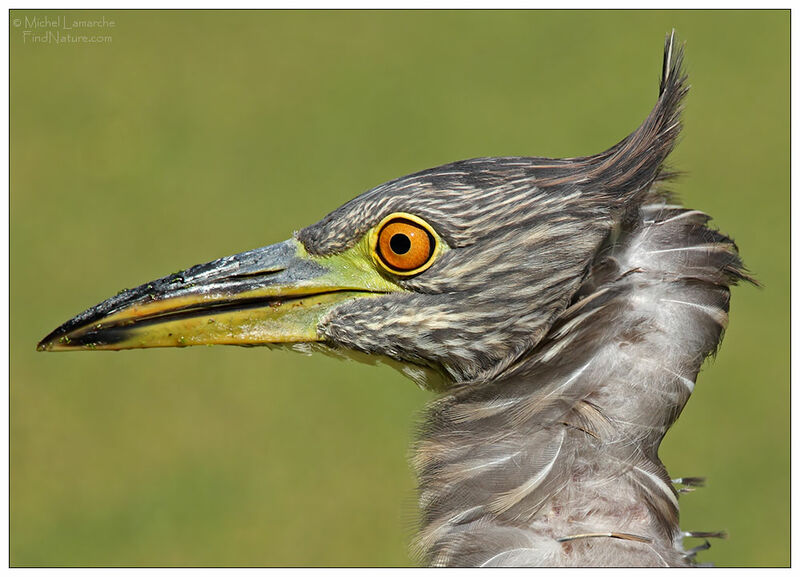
[{"x": 275, "y": 294}]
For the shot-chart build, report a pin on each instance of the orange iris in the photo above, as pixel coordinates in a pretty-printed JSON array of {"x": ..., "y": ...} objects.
[{"x": 404, "y": 245}]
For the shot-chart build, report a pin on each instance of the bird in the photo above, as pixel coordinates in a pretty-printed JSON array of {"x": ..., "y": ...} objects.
[{"x": 560, "y": 308}]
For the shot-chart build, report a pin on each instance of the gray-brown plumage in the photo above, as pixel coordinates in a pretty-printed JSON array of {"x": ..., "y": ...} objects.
[{"x": 565, "y": 318}]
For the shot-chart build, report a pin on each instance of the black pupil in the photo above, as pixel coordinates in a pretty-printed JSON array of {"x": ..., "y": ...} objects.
[{"x": 400, "y": 243}]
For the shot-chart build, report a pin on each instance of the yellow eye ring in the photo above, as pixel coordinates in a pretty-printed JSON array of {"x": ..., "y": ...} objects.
[{"x": 404, "y": 244}]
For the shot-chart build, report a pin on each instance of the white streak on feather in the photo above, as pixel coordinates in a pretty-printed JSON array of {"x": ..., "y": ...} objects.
[
  {"x": 703, "y": 247},
  {"x": 507, "y": 500},
  {"x": 530, "y": 409},
  {"x": 715, "y": 313},
  {"x": 687, "y": 382},
  {"x": 661, "y": 485}
]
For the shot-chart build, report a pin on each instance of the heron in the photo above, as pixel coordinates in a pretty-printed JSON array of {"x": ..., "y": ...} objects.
[{"x": 561, "y": 308}]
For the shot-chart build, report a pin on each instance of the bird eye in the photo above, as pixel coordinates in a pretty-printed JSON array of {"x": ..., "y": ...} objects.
[{"x": 404, "y": 244}]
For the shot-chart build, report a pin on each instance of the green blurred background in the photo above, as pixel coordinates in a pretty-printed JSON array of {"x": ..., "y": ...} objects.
[{"x": 193, "y": 135}]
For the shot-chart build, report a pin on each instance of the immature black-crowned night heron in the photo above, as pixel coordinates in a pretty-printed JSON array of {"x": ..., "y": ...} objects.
[{"x": 563, "y": 307}]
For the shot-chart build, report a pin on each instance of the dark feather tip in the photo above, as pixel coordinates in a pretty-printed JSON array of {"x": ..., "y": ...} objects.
[{"x": 690, "y": 481}]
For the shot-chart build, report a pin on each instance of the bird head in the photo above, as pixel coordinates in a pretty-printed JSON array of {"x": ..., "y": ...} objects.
[{"x": 452, "y": 272}]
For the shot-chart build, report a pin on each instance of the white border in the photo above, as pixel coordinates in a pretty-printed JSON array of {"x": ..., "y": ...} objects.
[{"x": 352, "y": 4}]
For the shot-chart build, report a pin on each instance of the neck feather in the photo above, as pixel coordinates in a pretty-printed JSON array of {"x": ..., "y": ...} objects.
[{"x": 556, "y": 461}]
